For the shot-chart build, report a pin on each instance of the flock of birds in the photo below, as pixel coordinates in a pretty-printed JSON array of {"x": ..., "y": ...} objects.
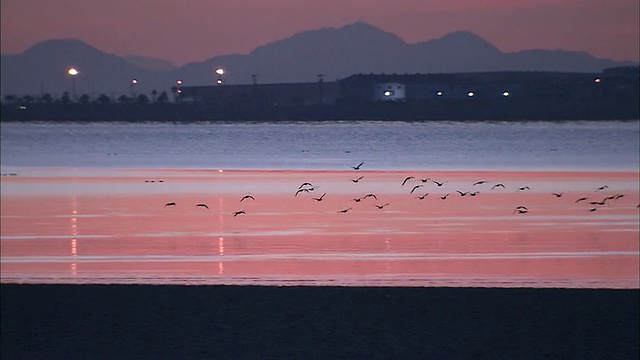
[{"x": 308, "y": 188}]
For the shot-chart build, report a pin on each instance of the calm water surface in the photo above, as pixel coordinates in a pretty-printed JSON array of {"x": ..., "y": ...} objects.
[
  {"x": 80, "y": 208},
  {"x": 332, "y": 145}
]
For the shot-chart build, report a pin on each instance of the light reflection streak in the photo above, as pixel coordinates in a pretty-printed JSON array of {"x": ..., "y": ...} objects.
[
  {"x": 74, "y": 234},
  {"x": 221, "y": 239},
  {"x": 221, "y": 253}
]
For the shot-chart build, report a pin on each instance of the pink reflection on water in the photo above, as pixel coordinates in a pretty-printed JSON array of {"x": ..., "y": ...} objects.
[{"x": 129, "y": 236}]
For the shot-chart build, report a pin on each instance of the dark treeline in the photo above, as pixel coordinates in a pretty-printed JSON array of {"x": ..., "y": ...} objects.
[{"x": 161, "y": 108}]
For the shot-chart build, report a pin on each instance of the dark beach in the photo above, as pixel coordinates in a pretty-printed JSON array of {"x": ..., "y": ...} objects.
[{"x": 162, "y": 321}]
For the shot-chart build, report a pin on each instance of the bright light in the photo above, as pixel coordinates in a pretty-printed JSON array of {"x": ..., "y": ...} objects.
[
  {"x": 179, "y": 82},
  {"x": 219, "y": 81},
  {"x": 134, "y": 81},
  {"x": 470, "y": 94},
  {"x": 388, "y": 93},
  {"x": 73, "y": 71},
  {"x": 439, "y": 93},
  {"x": 505, "y": 93},
  {"x": 597, "y": 80},
  {"x": 220, "y": 71}
]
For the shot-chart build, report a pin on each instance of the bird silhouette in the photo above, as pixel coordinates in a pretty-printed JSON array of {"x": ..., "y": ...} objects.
[
  {"x": 319, "y": 198},
  {"x": 499, "y": 185},
  {"x": 357, "y": 167},
  {"x": 424, "y": 180},
  {"x": 170, "y": 204},
  {"x": 305, "y": 184},
  {"x": 462, "y": 193},
  {"x": 480, "y": 182},
  {"x": 344, "y": 211},
  {"x": 415, "y": 188},
  {"x": 558, "y": 194},
  {"x": 423, "y": 196},
  {"x": 523, "y": 188},
  {"x": 381, "y": 206},
  {"x": 357, "y": 179},
  {"x": 304, "y": 190},
  {"x": 370, "y": 195},
  {"x": 521, "y": 210},
  {"x": 602, "y": 187},
  {"x": 474, "y": 193},
  {"x": 438, "y": 183},
  {"x": 407, "y": 179},
  {"x": 444, "y": 197},
  {"x": 247, "y": 197},
  {"x": 202, "y": 205},
  {"x": 357, "y": 199},
  {"x": 240, "y": 212},
  {"x": 582, "y": 199}
]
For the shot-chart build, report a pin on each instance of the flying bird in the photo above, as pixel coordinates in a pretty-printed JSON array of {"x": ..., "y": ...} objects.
[
  {"x": 357, "y": 199},
  {"x": 344, "y": 211},
  {"x": 444, "y": 197},
  {"x": 319, "y": 198},
  {"x": 558, "y": 194},
  {"x": 462, "y": 193},
  {"x": 381, "y": 206},
  {"x": 357, "y": 179},
  {"x": 305, "y": 190},
  {"x": 521, "y": 210},
  {"x": 247, "y": 197},
  {"x": 170, "y": 204},
  {"x": 370, "y": 195},
  {"x": 438, "y": 183},
  {"x": 582, "y": 199},
  {"x": 423, "y": 196},
  {"x": 480, "y": 182},
  {"x": 474, "y": 193},
  {"x": 407, "y": 179},
  {"x": 602, "y": 187},
  {"x": 497, "y": 186},
  {"x": 305, "y": 184},
  {"x": 523, "y": 188},
  {"x": 236, "y": 213},
  {"x": 425, "y": 180},
  {"x": 415, "y": 188},
  {"x": 202, "y": 205},
  {"x": 357, "y": 167}
]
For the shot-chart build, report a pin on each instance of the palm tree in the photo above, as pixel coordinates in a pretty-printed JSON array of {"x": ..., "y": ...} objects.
[
  {"x": 103, "y": 99},
  {"x": 123, "y": 99}
]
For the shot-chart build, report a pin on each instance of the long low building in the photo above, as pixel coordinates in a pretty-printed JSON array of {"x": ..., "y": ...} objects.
[{"x": 366, "y": 88}]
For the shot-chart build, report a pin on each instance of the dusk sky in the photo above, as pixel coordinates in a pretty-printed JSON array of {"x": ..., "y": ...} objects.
[{"x": 196, "y": 30}]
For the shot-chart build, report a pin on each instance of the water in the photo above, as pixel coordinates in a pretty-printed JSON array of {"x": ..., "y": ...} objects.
[
  {"x": 607, "y": 145},
  {"x": 81, "y": 208}
]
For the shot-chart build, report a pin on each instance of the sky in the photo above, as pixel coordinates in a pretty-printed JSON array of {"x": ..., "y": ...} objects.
[{"x": 196, "y": 30}]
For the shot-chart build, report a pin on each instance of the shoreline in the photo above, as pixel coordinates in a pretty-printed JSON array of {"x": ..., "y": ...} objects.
[{"x": 151, "y": 321}]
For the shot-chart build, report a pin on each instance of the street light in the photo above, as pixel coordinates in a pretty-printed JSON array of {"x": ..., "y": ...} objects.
[
  {"x": 73, "y": 72},
  {"x": 219, "y": 71},
  {"x": 133, "y": 82}
]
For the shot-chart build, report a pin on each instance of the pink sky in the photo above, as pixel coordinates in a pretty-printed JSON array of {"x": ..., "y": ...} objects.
[{"x": 195, "y": 30}]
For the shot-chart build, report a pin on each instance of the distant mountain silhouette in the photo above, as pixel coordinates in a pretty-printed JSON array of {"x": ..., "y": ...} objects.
[{"x": 335, "y": 53}]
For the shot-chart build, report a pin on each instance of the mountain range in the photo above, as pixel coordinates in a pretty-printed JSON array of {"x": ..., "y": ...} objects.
[{"x": 334, "y": 53}]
